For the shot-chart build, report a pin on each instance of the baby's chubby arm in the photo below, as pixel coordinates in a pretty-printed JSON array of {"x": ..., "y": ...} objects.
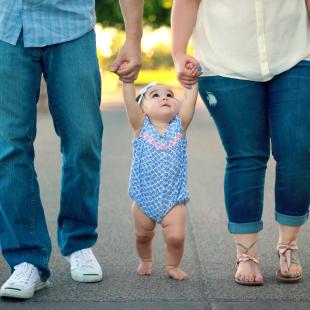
[
  {"x": 134, "y": 112},
  {"x": 188, "y": 105}
]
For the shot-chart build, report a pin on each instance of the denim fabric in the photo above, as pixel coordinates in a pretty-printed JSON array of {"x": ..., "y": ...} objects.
[
  {"x": 73, "y": 82},
  {"x": 249, "y": 115}
]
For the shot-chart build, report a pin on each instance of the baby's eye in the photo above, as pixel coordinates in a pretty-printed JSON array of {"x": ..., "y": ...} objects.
[
  {"x": 170, "y": 95},
  {"x": 155, "y": 95}
]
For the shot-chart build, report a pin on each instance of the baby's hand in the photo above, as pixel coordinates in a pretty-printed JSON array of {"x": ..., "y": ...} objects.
[
  {"x": 123, "y": 66},
  {"x": 193, "y": 69}
]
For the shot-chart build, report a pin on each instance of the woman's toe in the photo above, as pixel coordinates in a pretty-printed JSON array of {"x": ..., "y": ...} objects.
[
  {"x": 242, "y": 278},
  {"x": 284, "y": 269},
  {"x": 295, "y": 271},
  {"x": 258, "y": 278},
  {"x": 250, "y": 279}
]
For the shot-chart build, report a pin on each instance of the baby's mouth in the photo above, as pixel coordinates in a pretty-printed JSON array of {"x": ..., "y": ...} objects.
[{"x": 166, "y": 105}]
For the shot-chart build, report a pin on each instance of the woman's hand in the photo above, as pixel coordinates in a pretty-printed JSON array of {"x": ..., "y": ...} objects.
[{"x": 187, "y": 69}]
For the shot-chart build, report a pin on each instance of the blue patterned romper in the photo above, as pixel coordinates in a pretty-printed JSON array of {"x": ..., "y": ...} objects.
[{"x": 158, "y": 177}]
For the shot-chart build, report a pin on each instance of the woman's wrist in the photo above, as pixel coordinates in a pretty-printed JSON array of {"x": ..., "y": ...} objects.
[{"x": 177, "y": 56}]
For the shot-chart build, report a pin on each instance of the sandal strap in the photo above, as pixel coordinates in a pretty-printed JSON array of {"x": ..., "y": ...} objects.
[
  {"x": 245, "y": 247},
  {"x": 245, "y": 257},
  {"x": 289, "y": 252}
]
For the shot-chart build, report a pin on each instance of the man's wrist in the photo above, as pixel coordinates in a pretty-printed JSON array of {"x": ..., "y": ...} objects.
[{"x": 134, "y": 36}]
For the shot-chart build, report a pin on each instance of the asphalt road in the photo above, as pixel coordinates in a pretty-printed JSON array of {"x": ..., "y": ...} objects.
[{"x": 209, "y": 255}]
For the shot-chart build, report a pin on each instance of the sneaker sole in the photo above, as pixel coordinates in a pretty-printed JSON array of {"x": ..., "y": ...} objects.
[
  {"x": 86, "y": 278},
  {"x": 22, "y": 294}
]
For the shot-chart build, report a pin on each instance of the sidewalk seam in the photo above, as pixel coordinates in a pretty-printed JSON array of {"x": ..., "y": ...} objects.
[{"x": 198, "y": 255}]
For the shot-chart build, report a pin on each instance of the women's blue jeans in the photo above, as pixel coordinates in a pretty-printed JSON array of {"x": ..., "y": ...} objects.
[
  {"x": 73, "y": 83},
  {"x": 249, "y": 115}
]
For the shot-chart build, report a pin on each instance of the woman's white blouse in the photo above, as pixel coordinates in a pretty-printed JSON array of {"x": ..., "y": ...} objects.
[{"x": 251, "y": 39}]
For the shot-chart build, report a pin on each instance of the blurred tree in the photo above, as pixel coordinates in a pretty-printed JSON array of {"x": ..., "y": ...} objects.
[{"x": 156, "y": 13}]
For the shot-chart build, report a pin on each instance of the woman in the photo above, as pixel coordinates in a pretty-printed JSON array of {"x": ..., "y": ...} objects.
[{"x": 255, "y": 83}]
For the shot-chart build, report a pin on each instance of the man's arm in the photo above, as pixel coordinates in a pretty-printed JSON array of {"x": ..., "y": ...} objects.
[
  {"x": 188, "y": 105},
  {"x": 134, "y": 112},
  {"x": 183, "y": 20},
  {"x": 130, "y": 54}
]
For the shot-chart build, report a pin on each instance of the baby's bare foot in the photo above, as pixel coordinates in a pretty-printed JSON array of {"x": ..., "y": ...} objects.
[
  {"x": 176, "y": 273},
  {"x": 145, "y": 269}
]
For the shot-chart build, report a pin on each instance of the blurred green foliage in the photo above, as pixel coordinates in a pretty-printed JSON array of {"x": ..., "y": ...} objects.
[{"x": 156, "y": 13}]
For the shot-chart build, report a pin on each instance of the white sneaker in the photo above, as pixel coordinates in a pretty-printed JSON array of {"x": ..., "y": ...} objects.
[
  {"x": 84, "y": 266},
  {"x": 23, "y": 282}
]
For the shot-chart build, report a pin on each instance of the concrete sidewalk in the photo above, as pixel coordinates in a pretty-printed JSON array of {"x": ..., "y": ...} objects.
[{"x": 209, "y": 256}]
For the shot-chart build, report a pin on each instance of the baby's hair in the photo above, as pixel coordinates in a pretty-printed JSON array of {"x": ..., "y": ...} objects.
[{"x": 138, "y": 98}]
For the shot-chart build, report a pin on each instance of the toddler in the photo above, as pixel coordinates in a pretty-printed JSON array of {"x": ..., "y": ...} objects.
[{"x": 158, "y": 178}]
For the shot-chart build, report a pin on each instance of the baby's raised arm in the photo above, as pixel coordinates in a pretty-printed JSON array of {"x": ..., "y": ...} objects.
[
  {"x": 188, "y": 105},
  {"x": 134, "y": 112}
]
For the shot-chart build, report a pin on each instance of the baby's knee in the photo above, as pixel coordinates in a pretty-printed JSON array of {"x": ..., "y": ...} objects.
[
  {"x": 145, "y": 236},
  {"x": 175, "y": 239}
]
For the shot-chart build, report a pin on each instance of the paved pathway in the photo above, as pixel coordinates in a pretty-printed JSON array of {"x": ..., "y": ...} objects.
[{"x": 209, "y": 254}]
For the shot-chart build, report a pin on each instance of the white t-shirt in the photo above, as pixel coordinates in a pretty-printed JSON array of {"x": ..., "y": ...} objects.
[{"x": 251, "y": 39}]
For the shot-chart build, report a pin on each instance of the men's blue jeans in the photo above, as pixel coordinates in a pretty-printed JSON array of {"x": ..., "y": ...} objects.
[
  {"x": 73, "y": 83},
  {"x": 249, "y": 115}
]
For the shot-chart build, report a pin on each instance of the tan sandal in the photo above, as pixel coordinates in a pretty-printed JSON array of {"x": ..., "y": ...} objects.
[
  {"x": 244, "y": 257},
  {"x": 288, "y": 253}
]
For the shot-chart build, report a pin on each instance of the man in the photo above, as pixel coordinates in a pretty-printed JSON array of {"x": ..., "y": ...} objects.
[{"x": 56, "y": 39}]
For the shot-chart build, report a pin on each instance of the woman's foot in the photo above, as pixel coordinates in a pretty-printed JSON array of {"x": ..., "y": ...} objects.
[
  {"x": 145, "y": 269},
  {"x": 248, "y": 272},
  {"x": 176, "y": 273},
  {"x": 289, "y": 266}
]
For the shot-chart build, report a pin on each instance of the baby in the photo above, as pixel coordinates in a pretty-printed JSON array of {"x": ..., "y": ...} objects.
[{"x": 158, "y": 178}]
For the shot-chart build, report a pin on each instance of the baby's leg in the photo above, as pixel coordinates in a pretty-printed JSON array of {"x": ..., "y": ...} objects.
[
  {"x": 174, "y": 234},
  {"x": 145, "y": 230}
]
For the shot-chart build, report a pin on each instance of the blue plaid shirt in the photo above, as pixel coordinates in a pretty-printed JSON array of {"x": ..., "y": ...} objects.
[{"x": 45, "y": 22}]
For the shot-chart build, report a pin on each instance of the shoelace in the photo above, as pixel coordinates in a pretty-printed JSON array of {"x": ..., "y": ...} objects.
[
  {"x": 83, "y": 258},
  {"x": 21, "y": 274}
]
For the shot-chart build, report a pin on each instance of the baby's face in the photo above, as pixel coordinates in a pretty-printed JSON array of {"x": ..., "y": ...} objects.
[{"x": 159, "y": 102}]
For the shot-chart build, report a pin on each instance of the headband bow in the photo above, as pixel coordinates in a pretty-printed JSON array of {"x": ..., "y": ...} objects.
[{"x": 143, "y": 91}]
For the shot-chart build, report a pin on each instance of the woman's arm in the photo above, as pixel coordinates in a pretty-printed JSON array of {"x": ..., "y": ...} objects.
[
  {"x": 130, "y": 53},
  {"x": 308, "y": 6},
  {"x": 188, "y": 105},
  {"x": 183, "y": 20},
  {"x": 134, "y": 112}
]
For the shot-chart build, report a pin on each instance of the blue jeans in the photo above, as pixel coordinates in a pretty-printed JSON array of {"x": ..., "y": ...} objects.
[
  {"x": 73, "y": 83},
  {"x": 249, "y": 115}
]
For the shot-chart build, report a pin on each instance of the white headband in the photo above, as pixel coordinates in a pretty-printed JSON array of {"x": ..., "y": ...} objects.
[{"x": 143, "y": 91}]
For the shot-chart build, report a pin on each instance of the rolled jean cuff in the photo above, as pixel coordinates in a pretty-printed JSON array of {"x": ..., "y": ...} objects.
[
  {"x": 245, "y": 228},
  {"x": 291, "y": 220}
]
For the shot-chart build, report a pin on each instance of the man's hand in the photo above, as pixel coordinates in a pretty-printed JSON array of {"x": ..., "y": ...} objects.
[
  {"x": 128, "y": 62},
  {"x": 187, "y": 69}
]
